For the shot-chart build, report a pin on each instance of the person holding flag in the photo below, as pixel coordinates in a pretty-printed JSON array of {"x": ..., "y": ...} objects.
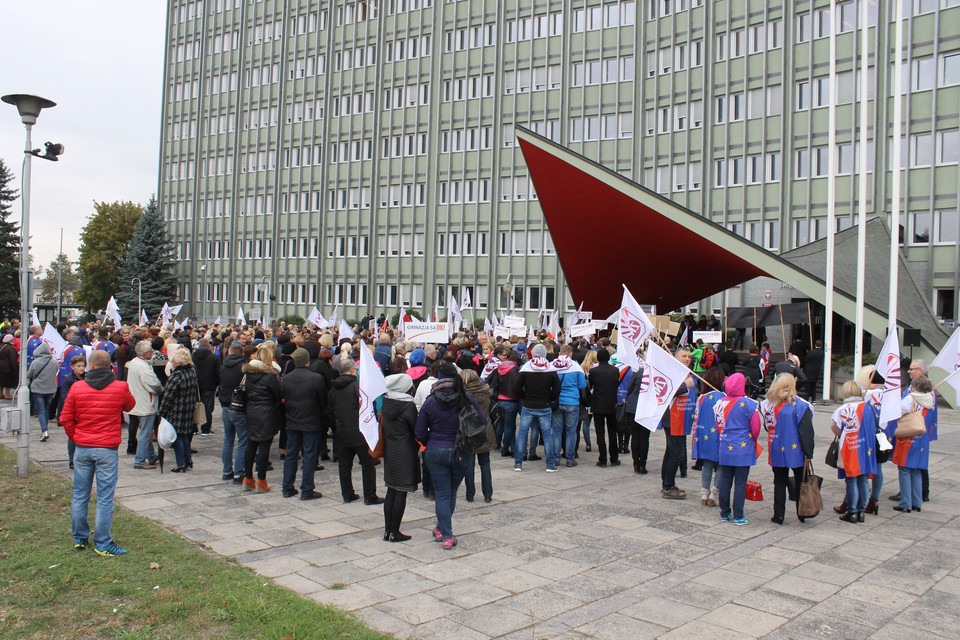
[
  {"x": 738, "y": 422},
  {"x": 855, "y": 424},
  {"x": 677, "y": 424},
  {"x": 919, "y": 369}
]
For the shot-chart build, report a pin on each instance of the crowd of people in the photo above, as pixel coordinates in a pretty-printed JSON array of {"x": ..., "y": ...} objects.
[{"x": 297, "y": 387}]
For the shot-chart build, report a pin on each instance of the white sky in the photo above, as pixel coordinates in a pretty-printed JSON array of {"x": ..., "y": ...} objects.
[{"x": 101, "y": 61}]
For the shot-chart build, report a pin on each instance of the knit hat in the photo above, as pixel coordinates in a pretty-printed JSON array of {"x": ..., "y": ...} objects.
[
  {"x": 288, "y": 348},
  {"x": 417, "y": 357},
  {"x": 398, "y": 383},
  {"x": 539, "y": 351},
  {"x": 300, "y": 356},
  {"x": 8, "y": 338},
  {"x": 447, "y": 371}
]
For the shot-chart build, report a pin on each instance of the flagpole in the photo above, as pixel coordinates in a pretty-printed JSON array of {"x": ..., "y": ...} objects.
[
  {"x": 897, "y": 151},
  {"x": 692, "y": 372},
  {"x": 937, "y": 386},
  {"x": 831, "y": 213},
  {"x": 862, "y": 205}
]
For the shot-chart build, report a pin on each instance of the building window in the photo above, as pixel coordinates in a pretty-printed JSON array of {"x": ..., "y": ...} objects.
[{"x": 920, "y": 228}]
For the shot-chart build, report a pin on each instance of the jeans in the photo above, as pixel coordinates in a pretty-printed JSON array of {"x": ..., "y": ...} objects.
[
  {"x": 610, "y": 420},
  {"x": 911, "y": 488},
  {"x": 585, "y": 427},
  {"x": 234, "y": 425},
  {"x": 707, "y": 478},
  {"x": 530, "y": 418},
  {"x": 181, "y": 450},
  {"x": 309, "y": 442},
  {"x": 564, "y": 428},
  {"x": 639, "y": 444},
  {"x": 71, "y": 449},
  {"x": 43, "y": 402},
  {"x": 780, "y": 487},
  {"x": 368, "y": 472},
  {"x": 737, "y": 477},
  {"x": 486, "y": 479},
  {"x": 208, "y": 398},
  {"x": 145, "y": 451},
  {"x": 877, "y": 483},
  {"x": 510, "y": 410},
  {"x": 87, "y": 463},
  {"x": 447, "y": 468},
  {"x": 673, "y": 458},
  {"x": 857, "y": 489}
]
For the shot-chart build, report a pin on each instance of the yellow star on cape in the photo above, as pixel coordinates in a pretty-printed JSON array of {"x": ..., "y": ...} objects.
[
  {"x": 713, "y": 430},
  {"x": 793, "y": 446},
  {"x": 706, "y": 437},
  {"x": 730, "y": 447},
  {"x": 742, "y": 403},
  {"x": 869, "y": 452},
  {"x": 782, "y": 449},
  {"x": 743, "y": 444}
]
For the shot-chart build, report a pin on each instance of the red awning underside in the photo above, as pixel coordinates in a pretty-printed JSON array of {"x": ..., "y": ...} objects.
[{"x": 604, "y": 238}]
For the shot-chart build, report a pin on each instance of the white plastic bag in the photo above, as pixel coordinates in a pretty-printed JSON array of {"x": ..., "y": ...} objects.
[{"x": 166, "y": 434}]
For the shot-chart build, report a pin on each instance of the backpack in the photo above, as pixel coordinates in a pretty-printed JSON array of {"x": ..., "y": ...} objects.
[
  {"x": 472, "y": 432},
  {"x": 708, "y": 358},
  {"x": 238, "y": 399}
]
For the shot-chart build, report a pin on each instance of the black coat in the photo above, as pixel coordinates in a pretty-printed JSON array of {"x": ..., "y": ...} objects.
[
  {"x": 304, "y": 396},
  {"x": 231, "y": 372},
  {"x": 180, "y": 396},
  {"x": 604, "y": 380},
  {"x": 207, "y": 365},
  {"x": 401, "y": 464},
  {"x": 264, "y": 411},
  {"x": 345, "y": 402},
  {"x": 813, "y": 365}
]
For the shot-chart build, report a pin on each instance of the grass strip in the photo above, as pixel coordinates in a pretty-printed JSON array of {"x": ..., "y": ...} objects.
[{"x": 164, "y": 587}]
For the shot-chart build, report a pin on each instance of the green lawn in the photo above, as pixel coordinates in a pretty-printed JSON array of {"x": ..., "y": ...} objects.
[{"x": 165, "y": 587}]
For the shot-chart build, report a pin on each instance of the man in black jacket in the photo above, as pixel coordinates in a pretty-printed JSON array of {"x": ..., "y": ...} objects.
[
  {"x": 604, "y": 380},
  {"x": 207, "y": 364},
  {"x": 812, "y": 367},
  {"x": 345, "y": 398},
  {"x": 538, "y": 387},
  {"x": 304, "y": 396},
  {"x": 234, "y": 424}
]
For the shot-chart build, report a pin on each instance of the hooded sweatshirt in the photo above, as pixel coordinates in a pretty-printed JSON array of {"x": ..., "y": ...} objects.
[
  {"x": 93, "y": 409},
  {"x": 42, "y": 374}
]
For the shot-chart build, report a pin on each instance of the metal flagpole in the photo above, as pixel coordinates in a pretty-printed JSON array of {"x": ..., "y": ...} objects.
[
  {"x": 831, "y": 214},
  {"x": 862, "y": 205},
  {"x": 59, "y": 279},
  {"x": 897, "y": 152}
]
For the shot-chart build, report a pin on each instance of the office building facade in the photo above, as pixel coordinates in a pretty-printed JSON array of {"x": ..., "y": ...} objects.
[{"x": 362, "y": 154}]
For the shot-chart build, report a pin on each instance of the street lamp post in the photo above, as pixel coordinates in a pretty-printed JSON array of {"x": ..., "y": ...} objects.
[
  {"x": 29, "y": 107},
  {"x": 59, "y": 277},
  {"x": 139, "y": 297},
  {"x": 508, "y": 290},
  {"x": 263, "y": 288},
  {"x": 203, "y": 292}
]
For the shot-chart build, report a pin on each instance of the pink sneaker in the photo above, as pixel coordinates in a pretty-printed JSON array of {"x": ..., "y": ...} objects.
[
  {"x": 437, "y": 536},
  {"x": 450, "y": 543}
]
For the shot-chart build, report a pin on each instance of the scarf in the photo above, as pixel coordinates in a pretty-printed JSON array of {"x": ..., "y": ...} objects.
[
  {"x": 536, "y": 365},
  {"x": 399, "y": 395},
  {"x": 490, "y": 367},
  {"x": 564, "y": 364}
]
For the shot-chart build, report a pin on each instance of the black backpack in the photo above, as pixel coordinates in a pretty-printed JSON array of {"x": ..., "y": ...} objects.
[{"x": 472, "y": 432}]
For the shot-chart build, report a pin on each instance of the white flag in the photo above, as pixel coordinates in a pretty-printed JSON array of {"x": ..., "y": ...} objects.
[
  {"x": 402, "y": 322},
  {"x": 176, "y": 310},
  {"x": 451, "y": 330},
  {"x": 144, "y": 320},
  {"x": 888, "y": 366},
  {"x": 371, "y": 385},
  {"x": 346, "y": 331},
  {"x": 185, "y": 322},
  {"x": 113, "y": 311},
  {"x": 467, "y": 303},
  {"x": 531, "y": 336},
  {"x": 54, "y": 340},
  {"x": 177, "y": 326},
  {"x": 487, "y": 327},
  {"x": 545, "y": 321},
  {"x": 576, "y": 314},
  {"x": 554, "y": 328},
  {"x": 217, "y": 321},
  {"x": 662, "y": 376},
  {"x": 683, "y": 336},
  {"x": 242, "y": 321},
  {"x": 635, "y": 328},
  {"x": 949, "y": 357},
  {"x": 34, "y": 318},
  {"x": 332, "y": 322},
  {"x": 455, "y": 310},
  {"x": 316, "y": 319},
  {"x": 164, "y": 315}
]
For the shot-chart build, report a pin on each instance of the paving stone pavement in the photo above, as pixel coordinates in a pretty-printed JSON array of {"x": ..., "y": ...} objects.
[{"x": 583, "y": 553}]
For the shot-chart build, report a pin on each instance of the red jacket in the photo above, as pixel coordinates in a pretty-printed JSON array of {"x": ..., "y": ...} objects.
[{"x": 92, "y": 412}]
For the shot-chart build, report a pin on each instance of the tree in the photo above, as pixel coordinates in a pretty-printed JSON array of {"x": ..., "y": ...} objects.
[
  {"x": 9, "y": 247},
  {"x": 103, "y": 245},
  {"x": 149, "y": 257},
  {"x": 68, "y": 281}
]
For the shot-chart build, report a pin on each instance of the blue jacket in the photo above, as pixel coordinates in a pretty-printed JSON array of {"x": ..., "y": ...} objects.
[
  {"x": 570, "y": 385},
  {"x": 382, "y": 355},
  {"x": 439, "y": 417}
]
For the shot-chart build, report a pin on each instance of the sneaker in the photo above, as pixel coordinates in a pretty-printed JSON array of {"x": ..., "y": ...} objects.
[
  {"x": 741, "y": 521},
  {"x": 206, "y": 433},
  {"x": 227, "y": 476},
  {"x": 533, "y": 458},
  {"x": 518, "y": 467},
  {"x": 571, "y": 463},
  {"x": 674, "y": 493},
  {"x": 450, "y": 543},
  {"x": 109, "y": 550},
  {"x": 726, "y": 518},
  {"x": 144, "y": 466},
  {"x": 437, "y": 536},
  {"x": 551, "y": 469},
  {"x": 44, "y": 437},
  {"x": 79, "y": 544}
]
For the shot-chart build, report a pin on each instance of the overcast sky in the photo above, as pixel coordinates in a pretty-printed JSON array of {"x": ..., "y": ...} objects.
[{"x": 101, "y": 61}]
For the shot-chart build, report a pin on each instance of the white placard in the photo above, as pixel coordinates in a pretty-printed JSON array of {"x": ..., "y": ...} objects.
[
  {"x": 426, "y": 332},
  {"x": 514, "y": 322},
  {"x": 501, "y": 332},
  {"x": 709, "y": 337},
  {"x": 582, "y": 329},
  {"x": 520, "y": 332},
  {"x": 254, "y": 315}
]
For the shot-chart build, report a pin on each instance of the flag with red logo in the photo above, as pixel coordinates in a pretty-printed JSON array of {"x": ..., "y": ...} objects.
[
  {"x": 949, "y": 358},
  {"x": 635, "y": 328},
  {"x": 662, "y": 376},
  {"x": 888, "y": 366},
  {"x": 371, "y": 386}
]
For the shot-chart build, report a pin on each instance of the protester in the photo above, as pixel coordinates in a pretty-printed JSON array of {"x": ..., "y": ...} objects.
[
  {"x": 437, "y": 426},
  {"x": 912, "y": 455},
  {"x": 9, "y": 367},
  {"x": 677, "y": 424},
  {"x": 812, "y": 367},
  {"x": 92, "y": 418},
  {"x": 604, "y": 381},
  {"x": 264, "y": 415},
  {"x": 304, "y": 397},
  {"x": 78, "y": 366},
  {"x": 180, "y": 396},
  {"x": 738, "y": 421},
  {"x": 234, "y": 421},
  {"x": 706, "y": 438},
  {"x": 345, "y": 401},
  {"x": 42, "y": 380},
  {"x": 566, "y": 417},
  {"x": 401, "y": 464},
  {"x": 480, "y": 392},
  {"x": 855, "y": 424},
  {"x": 145, "y": 387},
  {"x": 587, "y": 362},
  {"x": 504, "y": 381},
  {"x": 207, "y": 365},
  {"x": 538, "y": 387},
  {"x": 788, "y": 421},
  {"x": 921, "y": 368}
]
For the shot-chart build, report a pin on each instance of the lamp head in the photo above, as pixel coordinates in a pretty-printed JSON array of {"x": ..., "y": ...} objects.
[{"x": 28, "y": 105}]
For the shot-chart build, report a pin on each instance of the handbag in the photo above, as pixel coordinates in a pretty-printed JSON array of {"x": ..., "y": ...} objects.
[
  {"x": 833, "y": 453},
  {"x": 238, "y": 399},
  {"x": 495, "y": 412},
  {"x": 377, "y": 451},
  {"x": 754, "y": 491},
  {"x": 810, "y": 501},
  {"x": 910, "y": 425},
  {"x": 199, "y": 411}
]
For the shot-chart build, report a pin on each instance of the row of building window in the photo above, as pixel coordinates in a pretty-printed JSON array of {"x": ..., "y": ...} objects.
[
  {"x": 676, "y": 58},
  {"x": 678, "y": 117},
  {"x": 408, "y": 48},
  {"x": 464, "y": 191},
  {"x": 470, "y": 38},
  {"x": 605, "y": 127},
  {"x": 755, "y": 39},
  {"x": 662, "y": 8},
  {"x": 607, "y": 16},
  {"x": 601, "y": 71},
  {"x": 355, "y": 58}
]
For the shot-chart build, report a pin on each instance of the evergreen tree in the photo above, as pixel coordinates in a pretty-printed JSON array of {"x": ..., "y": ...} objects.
[
  {"x": 59, "y": 279},
  {"x": 103, "y": 245},
  {"x": 9, "y": 247},
  {"x": 150, "y": 258}
]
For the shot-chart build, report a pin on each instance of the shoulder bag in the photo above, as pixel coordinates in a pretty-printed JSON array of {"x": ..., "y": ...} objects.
[
  {"x": 810, "y": 502},
  {"x": 833, "y": 453},
  {"x": 238, "y": 399},
  {"x": 199, "y": 411},
  {"x": 910, "y": 425}
]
